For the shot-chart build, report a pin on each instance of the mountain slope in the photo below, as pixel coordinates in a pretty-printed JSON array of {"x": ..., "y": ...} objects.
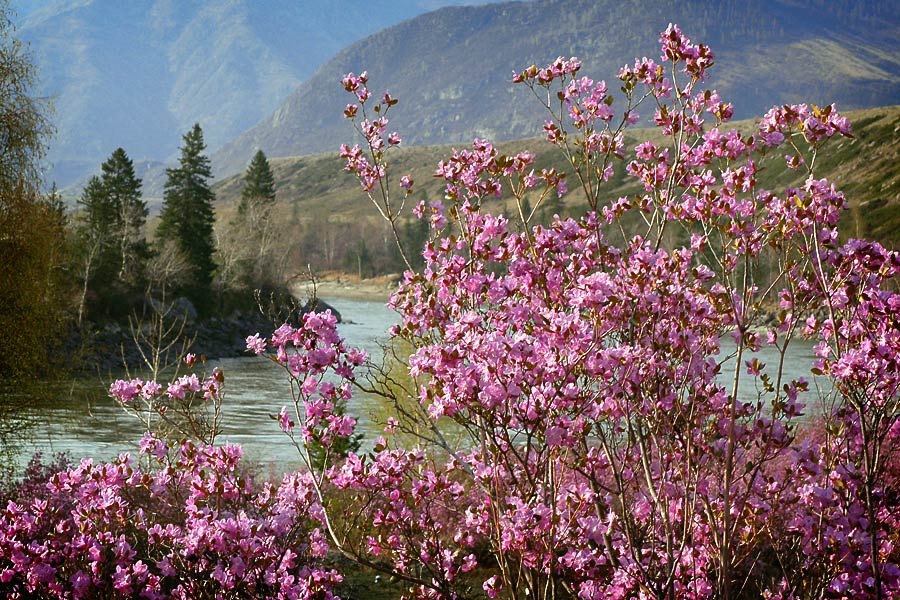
[
  {"x": 314, "y": 191},
  {"x": 451, "y": 68},
  {"x": 140, "y": 73}
]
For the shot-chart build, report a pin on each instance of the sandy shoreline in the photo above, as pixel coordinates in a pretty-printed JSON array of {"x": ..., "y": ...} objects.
[{"x": 376, "y": 289}]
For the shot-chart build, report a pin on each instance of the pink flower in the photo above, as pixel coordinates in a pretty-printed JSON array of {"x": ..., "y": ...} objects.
[
  {"x": 492, "y": 587},
  {"x": 284, "y": 420},
  {"x": 125, "y": 391},
  {"x": 256, "y": 344}
]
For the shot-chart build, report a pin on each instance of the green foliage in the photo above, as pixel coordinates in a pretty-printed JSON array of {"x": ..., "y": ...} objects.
[
  {"x": 321, "y": 457},
  {"x": 187, "y": 217},
  {"x": 414, "y": 235},
  {"x": 123, "y": 191}
]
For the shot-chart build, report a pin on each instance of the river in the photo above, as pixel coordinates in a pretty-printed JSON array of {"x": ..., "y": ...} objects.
[{"x": 82, "y": 421}]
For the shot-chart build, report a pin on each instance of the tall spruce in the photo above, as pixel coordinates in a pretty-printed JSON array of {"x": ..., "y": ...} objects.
[
  {"x": 187, "y": 217},
  {"x": 123, "y": 190}
]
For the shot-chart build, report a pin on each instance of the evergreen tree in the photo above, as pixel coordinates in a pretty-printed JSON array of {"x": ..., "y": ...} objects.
[
  {"x": 123, "y": 190},
  {"x": 96, "y": 222},
  {"x": 415, "y": 236},
  {"x": 98, "y": 216},
  {"x": 259, "y": 184},
  {"x": 113, "y": 250},
  {"x": 187, "y": 216},
  {"x": 247, "y": 252},
  {"x": 57, "y": 204}
]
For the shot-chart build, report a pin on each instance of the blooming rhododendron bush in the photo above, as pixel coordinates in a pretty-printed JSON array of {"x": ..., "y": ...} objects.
[
  {"x": 184, "y": 523},
  {"x": 582, "y": 409},
  {"x": 616, "y": 433}
]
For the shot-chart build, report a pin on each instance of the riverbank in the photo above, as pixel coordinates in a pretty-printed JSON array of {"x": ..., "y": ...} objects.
[{"x": 336, "y": 285}]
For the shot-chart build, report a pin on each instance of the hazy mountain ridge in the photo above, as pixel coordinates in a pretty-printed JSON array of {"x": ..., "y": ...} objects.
[
  {"x": 139, "y": 73},
  {"x": 451, "y": 68}
]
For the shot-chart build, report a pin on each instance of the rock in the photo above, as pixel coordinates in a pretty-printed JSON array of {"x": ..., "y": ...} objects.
[
  {"x": 179, "y": 308},
  {"x": 183, "y": 308}
]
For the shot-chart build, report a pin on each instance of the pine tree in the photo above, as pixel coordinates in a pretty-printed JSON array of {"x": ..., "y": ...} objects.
[
  {"x": 98, "y": 215},
  {"x": 187, "y": 216},
  {"x": 259, "y": 184},
  {"x": 247, "y": 250},
  {"x": 123, "y": 191},
  {"x": 113, "y": 249}
]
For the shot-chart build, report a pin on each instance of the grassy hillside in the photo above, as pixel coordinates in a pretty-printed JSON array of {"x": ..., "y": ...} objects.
[{"x": 316, "y": 198}]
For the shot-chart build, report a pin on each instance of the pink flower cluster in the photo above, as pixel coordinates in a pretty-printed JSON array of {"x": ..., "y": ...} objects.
[
  {"x": 175, "y": 407},
  {"x": 677, "y": 48},
  {"x": 479, "y": 173},
  {"x": 816, "y": 124},
  {"x": 560, "y": 68},
  {"x": 321, "y": 370},
  {"x": 191, "y": 523},
  {"x": 367, "y": 164}
]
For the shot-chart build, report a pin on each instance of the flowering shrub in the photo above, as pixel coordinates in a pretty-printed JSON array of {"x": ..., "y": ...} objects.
[
  {"x": 611, "y": 445},
  {"x": 591, "y": 414},
  {"x": 185, "y": 408},
  {"x": 189, "y": 524}
]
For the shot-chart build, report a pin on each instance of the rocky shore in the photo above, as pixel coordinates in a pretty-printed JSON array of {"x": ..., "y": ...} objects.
[{"x": 115, "y": 347}]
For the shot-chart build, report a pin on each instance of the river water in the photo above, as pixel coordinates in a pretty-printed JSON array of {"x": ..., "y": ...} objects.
[{"x": 84, "y": 422}]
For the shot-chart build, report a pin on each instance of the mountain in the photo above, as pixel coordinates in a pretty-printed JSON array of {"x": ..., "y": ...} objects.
[
  {"x": 451, "y": 68},
  {"x": 139, "y": 73}
]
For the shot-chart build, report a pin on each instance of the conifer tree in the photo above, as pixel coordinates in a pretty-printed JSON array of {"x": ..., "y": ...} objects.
[
  {"x": 98, "y": 215},
  {"x": 111, "y": 233},
  {"x": 187, "y": 217},
  {"x": 259, "y": 184},
  {"x": 246, "y": 258},
  {"x": 123, "y": 190}
]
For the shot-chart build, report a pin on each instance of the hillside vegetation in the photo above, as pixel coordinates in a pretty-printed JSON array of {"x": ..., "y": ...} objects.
[{"x": 326, "y": 215}]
